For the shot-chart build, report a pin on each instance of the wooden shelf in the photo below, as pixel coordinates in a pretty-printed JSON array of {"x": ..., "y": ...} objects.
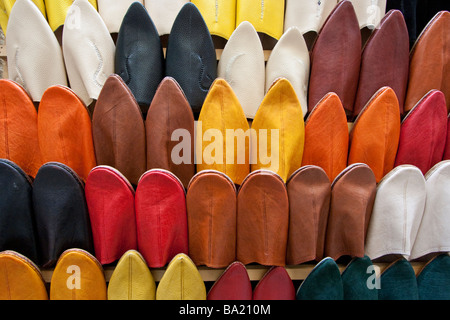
[{"x": 255, "y": 272}]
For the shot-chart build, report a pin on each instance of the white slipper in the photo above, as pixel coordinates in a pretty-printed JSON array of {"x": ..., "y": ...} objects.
[
  {"x": 307, "y": 15},
  {"x": 290, "y": 59},
  {"x": 88, "y": 51},
  {"x": 369, "y": 12},
  {"x": 112, "y": 12},
  {"x": 35, "y": 59},
  {"x": 163, "y": 13},
  {"x": 242, "y": 65},
  {"x": 434, "y": 231},
  {"x": 396, "y": 214}
]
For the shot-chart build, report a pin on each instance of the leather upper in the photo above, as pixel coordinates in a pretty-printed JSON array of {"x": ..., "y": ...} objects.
[
  {"x": 163, "y": 13},
  {"x": 169, "y": 120},
  {"x": 279, "y": 131},
  {"x": 267, "y": 17},
  {"x": 398, "y": 282},
  {"x": 307, "y": 15},
  {"x": 262, "y": 219},
  {"x": 118, "y": 130},
  {"x": 138, "y": 41},
  {"x": 35, "y": 59},
  {"x": 220, "y": 16},
  {"x": 384, "y": 61},
  {"x": 374, "y": 137},
  {"x": 78, "y": 276},
  {"x": 290, "y": 59},
  {"x": 161, "y": 218},
  {"x": 233, "y": 284},
  {"x": 17, "y": 225},
  {"x": 88, "y": 50},
  {"x": 243, "y": 59},
  {"x": 276, "y": 284},
  {"x": 397, "y": 212},
  {"x": 61, "y": 213},
  {"x": 221, "y": 112},
  {"x": 58, "y": 10},
  {"x": 422, "y": 131},
  {"x": 336, "y": 58},
  {"x": 132, "y": 279},
  {"x": 110, "y": 201},
  {"x": 352, "y": 199},
  {"x": 433, "y": 278},
  {"x": 433, "y": 235},
  {"x": 20, "y": 278},
  {"x": 322, "y": 283},
  {"x": 309, "y": 193},
  {"x": 327, "y": 136},
  {"x": 430, "y": 61},
  {"x": 369, "y": 12},
  {"x": 181, "y": 281},
  {"x": 19, "y": 139},
  {"x": 191, "y": 56},
  {"x": 113, "y": 12},
  {"x": 355, "y": 280},
  {"x": 211, "y": 211},
  {"x": 65, "y": 130}
]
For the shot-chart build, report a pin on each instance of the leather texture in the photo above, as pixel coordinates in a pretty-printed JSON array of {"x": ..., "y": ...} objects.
[
  {"x": 336, "y": 58},
  {"x": 322, "y": 283},
  {"x": 110, "y": 201},
  {"x": 327, "y": 136},
  {"x": 118, "y": 130},
  {"x": 132, "y": 279},
  {"x": 421, "y": 134},
  {"x": 19, "y": 139},
  {"x": 220, "y": 16},
  {"x": 262, "y": 219},
  {"x": 355, "y": 280},
  {"x": 352, "y": 198},
  {"x": 446, "y": 155},
  {"x": 267, "y": 17},
  {"x": 309, "y": 194},
  {"x": 138, "y": 41},
  {"x": 243, "y": 59},
  {"x": 307, "y": 15},
  {"x": 88, "y": 50},
  {"x": 6, "y": 7},
  {"x": 17, "y": 226},
  {"x": 280, "y": 114},
  {"x": 375, "y": 135},
  {"x": 384, "y": 61},
  {"x": 397, "y": 212},
  {"x": 113, "y": 12},
  {"x": 161, "y": 217},
  {"x": 290, "y": 59},
  {"x": 276, "y": 284},
  {"x": 191, "y": 56},
  {"x": 163, "y": 13},
  {"x": 35, "y": 59},
  {"x": 58, "y": 10},
  {"x": 211, "y": 212},
  {"x": 78, "y": 276},
  {"x": 434, "y": 278},
  {"x": 20, "y": 278},
  {"x": 65, "y": 131},
  {"x": 430, "y": 61},
  {"x": 433, "y": 234},
  {"x": 168, "y": 120},
  {"x": 220, "y": 113},
  {"x": 398, "y": 282},
  {"x": 369, "y": 12},
  {"x": 181, "y": 281},
  {"x": 61, "y": 213},
  {"x": 233, "y": 284}
]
